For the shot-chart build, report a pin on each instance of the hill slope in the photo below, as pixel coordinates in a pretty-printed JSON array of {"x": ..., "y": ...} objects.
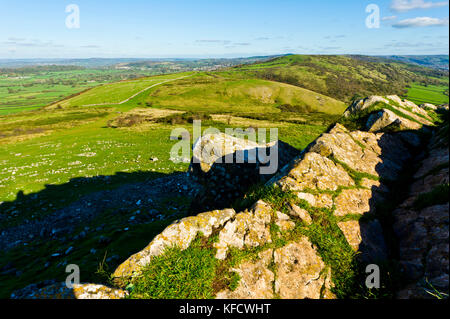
[
  {"x": 342, "y": 77},
  {"x": 217, "y": 92}
]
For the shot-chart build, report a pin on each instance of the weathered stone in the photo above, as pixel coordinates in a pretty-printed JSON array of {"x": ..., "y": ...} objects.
[
  {"x": 283, "y": 222},
  {"x": 363, "y": 104},
  {"x": 248, "y": 228},
  {"x": 409, "y": 107},
  {"x": 374, "y": 185},
  {"x": 315, "y": 172},
  {"x": 303, "y": 214},
  {"x": 386, "y": 120},
  {"x": 354, "y": 201},
  {"x": 256, "y": 280},
  {"x": 317, "y": 200},
  {"x": 366, "y": 238},
  {"x": 428, "y": 182},
  {"x": 300, "y": 272},
  {"x": 343, "y": 147},
  {"x": 423, "y": 235},
  {"x": 227, "y": 166},
  {"x": 436, "y": 157},
  {"x": 428, "y": 106}
]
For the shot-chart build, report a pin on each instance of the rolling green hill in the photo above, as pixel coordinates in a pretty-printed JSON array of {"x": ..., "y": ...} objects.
[
  {"x": 343, "y": 77},
  {"x": 230, "y": 94}
]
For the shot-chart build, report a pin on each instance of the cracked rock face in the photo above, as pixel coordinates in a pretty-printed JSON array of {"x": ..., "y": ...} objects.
[
  {"x": 297, "y": 272},
  {"x": 247, "y": 229},
  {"x": 315, "y": 172},
  {"x": 363, "y": 104},
  {"x": 366, "y": 238},
  {"x": 300, "y": 272},
  {"x": 387, "y": 119},
  {"x": 423, "y": 233},
  {"x": 256, "y": 279}
]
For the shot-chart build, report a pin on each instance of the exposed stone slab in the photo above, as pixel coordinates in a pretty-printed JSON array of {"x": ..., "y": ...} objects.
[
  {"x": 303, "y": 214},
  {"x": 317, "y": 200},
  {"x": 249, "y": 228},
  {"x": 354, "y": 201},
  {"x": 256, "y": 279},
  {"x": 363, "y": 104},
  {"x": 315, "y": 172},
  {"x": 409, "y": 105},
  {"x": 386, "y": 119},
  {"x": 300, "y": 271}
]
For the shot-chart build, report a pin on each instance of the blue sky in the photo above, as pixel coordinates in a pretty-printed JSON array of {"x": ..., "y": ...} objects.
[{"x": 218, "y": 28}]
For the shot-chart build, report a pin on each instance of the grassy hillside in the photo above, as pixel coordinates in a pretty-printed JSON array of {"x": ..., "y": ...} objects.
[
  {"x": 52, "y": 157},
  {"x": 220, "y": 92},
  {"x": 114, "y": 93},
  {"x": 343, "y": 77}
]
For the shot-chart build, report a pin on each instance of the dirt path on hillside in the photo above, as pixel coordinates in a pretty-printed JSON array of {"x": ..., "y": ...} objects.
[{"x": 136, "y": 94}]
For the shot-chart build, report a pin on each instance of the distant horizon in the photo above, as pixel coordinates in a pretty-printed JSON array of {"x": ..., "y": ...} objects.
[
  {"x": 221, "y": 29},
  {"x": 215, "y": 57}
]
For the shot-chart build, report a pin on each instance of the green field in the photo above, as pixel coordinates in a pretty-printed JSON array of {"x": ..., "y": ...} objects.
[
  {"x": 433, "y": 94},
  {"x": 31, "y": 88},
  {"x": 52, "y": 156}
]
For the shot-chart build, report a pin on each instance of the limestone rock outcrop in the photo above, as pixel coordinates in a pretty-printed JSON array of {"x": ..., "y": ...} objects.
[
  {"x": 386, "y": 119},
  {"x": 227, "y": 166},
  {"x": 339, "y": 181},
  {"x": 389, "y": 113},
  {"x": 422, "y": 227}
]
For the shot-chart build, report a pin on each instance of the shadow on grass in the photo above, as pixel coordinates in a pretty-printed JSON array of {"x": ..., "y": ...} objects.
[{"x": 88, "y": 221}]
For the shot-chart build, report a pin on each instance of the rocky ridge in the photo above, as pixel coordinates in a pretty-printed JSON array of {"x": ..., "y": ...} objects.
[{"x": 338, "y": 182}]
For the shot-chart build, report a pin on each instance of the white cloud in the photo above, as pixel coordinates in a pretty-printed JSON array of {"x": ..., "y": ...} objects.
[
  {"x": 406, "y": 5},
  {"x": 421, "y": 22},
  {"x": 389, "y": 18},
  {"x": 21, "y": 42}
]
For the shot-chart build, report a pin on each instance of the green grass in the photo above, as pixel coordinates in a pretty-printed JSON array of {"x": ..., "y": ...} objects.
[
  {"x": 177, "y": 274},
  {"x": 22, "y": 90},
  {"x": 231, "y": 94},
  {"x": 433, "y": 94},
  {"x": 114, "y": 93}
]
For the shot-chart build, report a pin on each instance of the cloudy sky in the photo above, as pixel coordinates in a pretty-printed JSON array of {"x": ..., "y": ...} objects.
[{"x": 220, "y": 28}]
